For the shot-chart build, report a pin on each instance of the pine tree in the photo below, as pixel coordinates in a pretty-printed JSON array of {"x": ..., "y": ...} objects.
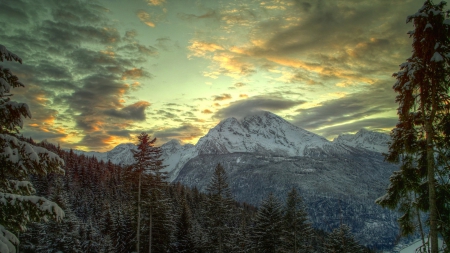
[
  {"x": 60, "y": 236},
  {"x": 147, "y": 160},
  {"x": 297, "y": 230},
  {"x": 421, "y": 139},
  {"x": 219, "y": 206},
  {"x": 268, "y": 227},
  {"x": 341, "y": 240},
  {"x": 184, "y": 242},
  {"x": 122, "y": 235},
  {"x": 19, "y": 160}
]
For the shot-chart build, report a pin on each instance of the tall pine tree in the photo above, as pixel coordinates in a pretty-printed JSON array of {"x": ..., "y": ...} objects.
[
  {"x": 148, "y": 163},
  {"x": 267, "y": 233},
  {"x": 341, "y": 240},
  {"x": 298, "y": 232},
  {"x": 19, "y": 160},
  {"x": 421, "y": 138},
  {"x": 219, "y": 208}
]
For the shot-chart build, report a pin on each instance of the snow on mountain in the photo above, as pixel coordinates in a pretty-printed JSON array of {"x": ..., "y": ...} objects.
[
  {"x": 263, "y": 132},
  {"x": 366, "y": 139},
  {"x": 101, "y": 156},
  {"x": 175, "y": 156},
  {"x": 122, "y": 154}
]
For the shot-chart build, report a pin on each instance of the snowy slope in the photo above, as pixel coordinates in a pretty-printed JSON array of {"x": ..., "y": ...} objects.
[
  {"x": 175, "y": 156},
  {"x": 101, "y": 156},
  {"x": 365, "y": 139},
  {"x": 263, "y": 132},
  {"x": 122, "y": 154}
]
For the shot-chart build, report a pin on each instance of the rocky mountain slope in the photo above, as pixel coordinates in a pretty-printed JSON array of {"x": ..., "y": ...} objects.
[
  {"x": 263, "y": 153},
  {"x": 365, "y": 139}
]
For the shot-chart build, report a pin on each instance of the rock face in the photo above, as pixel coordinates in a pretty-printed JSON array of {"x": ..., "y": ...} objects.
[
  {"x": 365, "y": 139},
  {"x": 263, "y": 132},
  {"x": 264, "y": 153}
]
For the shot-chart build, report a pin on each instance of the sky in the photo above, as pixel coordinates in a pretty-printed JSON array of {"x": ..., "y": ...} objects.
[{"x": 97, "y": 73}]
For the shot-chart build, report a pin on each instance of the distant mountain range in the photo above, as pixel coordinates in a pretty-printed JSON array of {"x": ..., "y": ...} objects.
[{"x": 262, "y": 153}]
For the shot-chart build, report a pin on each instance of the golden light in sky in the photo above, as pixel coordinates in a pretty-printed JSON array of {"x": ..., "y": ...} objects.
[{"x": 98, "y": 73}]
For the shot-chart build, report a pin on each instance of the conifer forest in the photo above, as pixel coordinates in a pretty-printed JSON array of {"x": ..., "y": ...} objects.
[{"x": 314, "y": 193}]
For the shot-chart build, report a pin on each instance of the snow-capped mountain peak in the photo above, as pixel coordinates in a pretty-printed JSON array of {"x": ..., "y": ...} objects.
[
  {"x": 262, "y": 132},
  {"x": 374, "y": 141}
]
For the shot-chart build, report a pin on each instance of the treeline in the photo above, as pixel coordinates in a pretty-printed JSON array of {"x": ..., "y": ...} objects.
[{"x": 101, "y": 215}]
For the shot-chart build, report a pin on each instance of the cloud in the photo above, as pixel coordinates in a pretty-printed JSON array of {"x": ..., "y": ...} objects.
[
  {"x": 189, "y": 17},
  {"x": 135, "y": 111},
  {"x": 185, "y": 132},
  {"x": 242, "y": 108},
  {"x": 380, "y": 124},
  {"x": 347, "y": 109},
  {"x": 222, "y": 97},
  {"x": 122, "y": 133},
  {"x": 200, "y": 48},
  {"x": 134, "y": 73},
  {"x": 239, "y": 85},
  {"x": 207, "y": 111},
  {"x": 145, "y": 18},
  {"x": 156, "y": 2}
]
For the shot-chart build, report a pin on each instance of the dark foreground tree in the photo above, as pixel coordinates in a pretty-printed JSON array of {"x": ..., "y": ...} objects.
[
  {"x": 297, "y": 232},
  {"x": 267, "y": 233},
  {"x": 147, "y": 168},
  {"x": 421, "y": 138},
  {"x": 219, "y": 209},
  {"x": 341, "y": 240},
  {"x": 19, "y": 160}
]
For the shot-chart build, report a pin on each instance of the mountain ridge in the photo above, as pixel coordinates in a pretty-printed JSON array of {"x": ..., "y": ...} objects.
[{"x": 263, "y": 153}]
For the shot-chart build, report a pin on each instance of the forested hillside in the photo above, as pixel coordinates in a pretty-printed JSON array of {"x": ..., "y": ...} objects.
[{"x": 99, "y": 200}]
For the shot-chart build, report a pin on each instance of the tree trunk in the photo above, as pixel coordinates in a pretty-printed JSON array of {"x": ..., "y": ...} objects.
[
  {"x": 432, "y": 190},
  {"x": 150, "y": 232},
  {"x": 138, "y": 215}
]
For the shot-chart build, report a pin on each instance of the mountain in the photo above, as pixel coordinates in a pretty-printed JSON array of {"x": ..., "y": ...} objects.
[
  {"x": 262, "y": 132},
  {"x": 263, "y": 153},
  {"x": 365, "y": 139}
]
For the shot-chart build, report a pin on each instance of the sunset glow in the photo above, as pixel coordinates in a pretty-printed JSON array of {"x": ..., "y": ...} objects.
[{"x": 98, "y": 73}]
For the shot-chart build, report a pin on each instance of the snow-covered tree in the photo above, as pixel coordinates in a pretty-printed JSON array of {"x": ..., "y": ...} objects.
[
  {"x": 297, "y": 232},
  {"x": 19, "y": 160},
  {"x": 421, "y": 138},
  {"x": 267, "y": 233},
  {"x": 219, "y": 209},
  {"x": 60, "y": 236}
]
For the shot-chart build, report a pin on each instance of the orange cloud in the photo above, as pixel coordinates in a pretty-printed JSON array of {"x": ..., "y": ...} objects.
[
  {"x": 133, "y": 74},
  {"x": 145, "y": 18},
  {"x": 200, "y": 49},
  {"x": 325, "y": 71},
  {"x": 243, "y": 95},
  {"x": 222, "y": 97},
  {"x": 108, "y": 52},
  {"x": 156, "y": 2},
  {"x": 207, "y": 111}
]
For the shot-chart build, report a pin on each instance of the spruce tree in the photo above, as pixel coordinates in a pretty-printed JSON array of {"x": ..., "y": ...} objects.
[
  {"x": 219, "y": 206},
  {"x": 60, "y": 236},
  {"x": 184, "y": 242},
  {"x": 268, "y": 229},
  {"x": 341, "y": 240},
  {"x": 148, "y": 163},
  {"x": 19, "y": 160},
  {"x": 297, "y": 232},
  {"x": 421, "y": 138},
  {"x": 121, "y": 235}
]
